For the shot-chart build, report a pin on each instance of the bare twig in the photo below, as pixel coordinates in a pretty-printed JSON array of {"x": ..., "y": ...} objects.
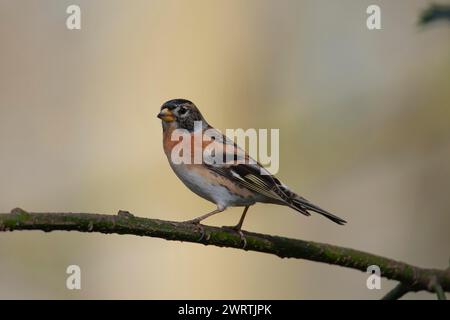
[
  {"x": 399, "y": 291},
  {"x": 437, "y": 288}
]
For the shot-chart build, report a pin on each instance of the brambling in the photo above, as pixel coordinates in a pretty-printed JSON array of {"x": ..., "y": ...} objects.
[{"x": 241, "y": 182}]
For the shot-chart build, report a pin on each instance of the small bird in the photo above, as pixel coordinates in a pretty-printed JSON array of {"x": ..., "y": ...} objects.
[{"x": 226, "y": 184}]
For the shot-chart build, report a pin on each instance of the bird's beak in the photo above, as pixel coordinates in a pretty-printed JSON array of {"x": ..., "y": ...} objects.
[{"x": 166, "y": 115}]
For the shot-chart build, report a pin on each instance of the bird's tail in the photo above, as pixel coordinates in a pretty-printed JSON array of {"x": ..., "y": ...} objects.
[{"x": 303, "y": 206}]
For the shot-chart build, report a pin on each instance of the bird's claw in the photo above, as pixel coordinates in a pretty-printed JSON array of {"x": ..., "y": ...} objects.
[
  {"x": 198, "y": 226},
  {"x": 238, "y": 231}
]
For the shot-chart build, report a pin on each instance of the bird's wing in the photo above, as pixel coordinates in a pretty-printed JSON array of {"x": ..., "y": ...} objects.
[
  {"x": 250, "y": 174},
  {"x": 238, "y": 166}
]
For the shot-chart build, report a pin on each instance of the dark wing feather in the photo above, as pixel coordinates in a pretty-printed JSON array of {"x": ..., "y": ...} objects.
[
  {"x": 250, "y": 177},
  {"x": 300, "y": 201},
  {"x": 249, "y": 174}
]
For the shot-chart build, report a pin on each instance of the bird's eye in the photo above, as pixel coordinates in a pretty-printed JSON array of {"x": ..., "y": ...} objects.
[{"x": 182, "y": 110}]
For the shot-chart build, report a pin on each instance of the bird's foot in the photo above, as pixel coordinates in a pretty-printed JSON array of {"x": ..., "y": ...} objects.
[
  {"x": 238, "y": 230},
  {"x": 198, "y": 226}
]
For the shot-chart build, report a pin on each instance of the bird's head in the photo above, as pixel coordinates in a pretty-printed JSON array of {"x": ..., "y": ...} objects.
[{"x": 181, "y": 114}]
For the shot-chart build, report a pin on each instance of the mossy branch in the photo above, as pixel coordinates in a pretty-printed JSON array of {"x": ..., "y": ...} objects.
[{"x": 412, "y": 278}]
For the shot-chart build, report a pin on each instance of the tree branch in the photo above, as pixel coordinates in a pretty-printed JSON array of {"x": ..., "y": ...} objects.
[
  {"x": 413, "y": 278},
  {"x": 436, "y": 286},
  {"x": 399, "y": 291}
]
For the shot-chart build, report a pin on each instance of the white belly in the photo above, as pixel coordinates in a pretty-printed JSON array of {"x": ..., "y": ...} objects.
[{"x": 215, "y": 193}]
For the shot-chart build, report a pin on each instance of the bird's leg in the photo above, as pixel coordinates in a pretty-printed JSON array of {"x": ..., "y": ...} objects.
[
  {"x": 237, "y": 228},
  {"x": 196, "y": 221},
  {"x": 203, "y": 217},
  {"x": 241, "y": 220}
]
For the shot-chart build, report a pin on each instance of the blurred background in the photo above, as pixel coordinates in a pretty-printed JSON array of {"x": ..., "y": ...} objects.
[{"x": 364, "y": 119}]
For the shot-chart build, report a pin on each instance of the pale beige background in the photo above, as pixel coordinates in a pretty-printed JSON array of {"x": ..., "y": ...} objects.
[{"x": 364, "y": 123}]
